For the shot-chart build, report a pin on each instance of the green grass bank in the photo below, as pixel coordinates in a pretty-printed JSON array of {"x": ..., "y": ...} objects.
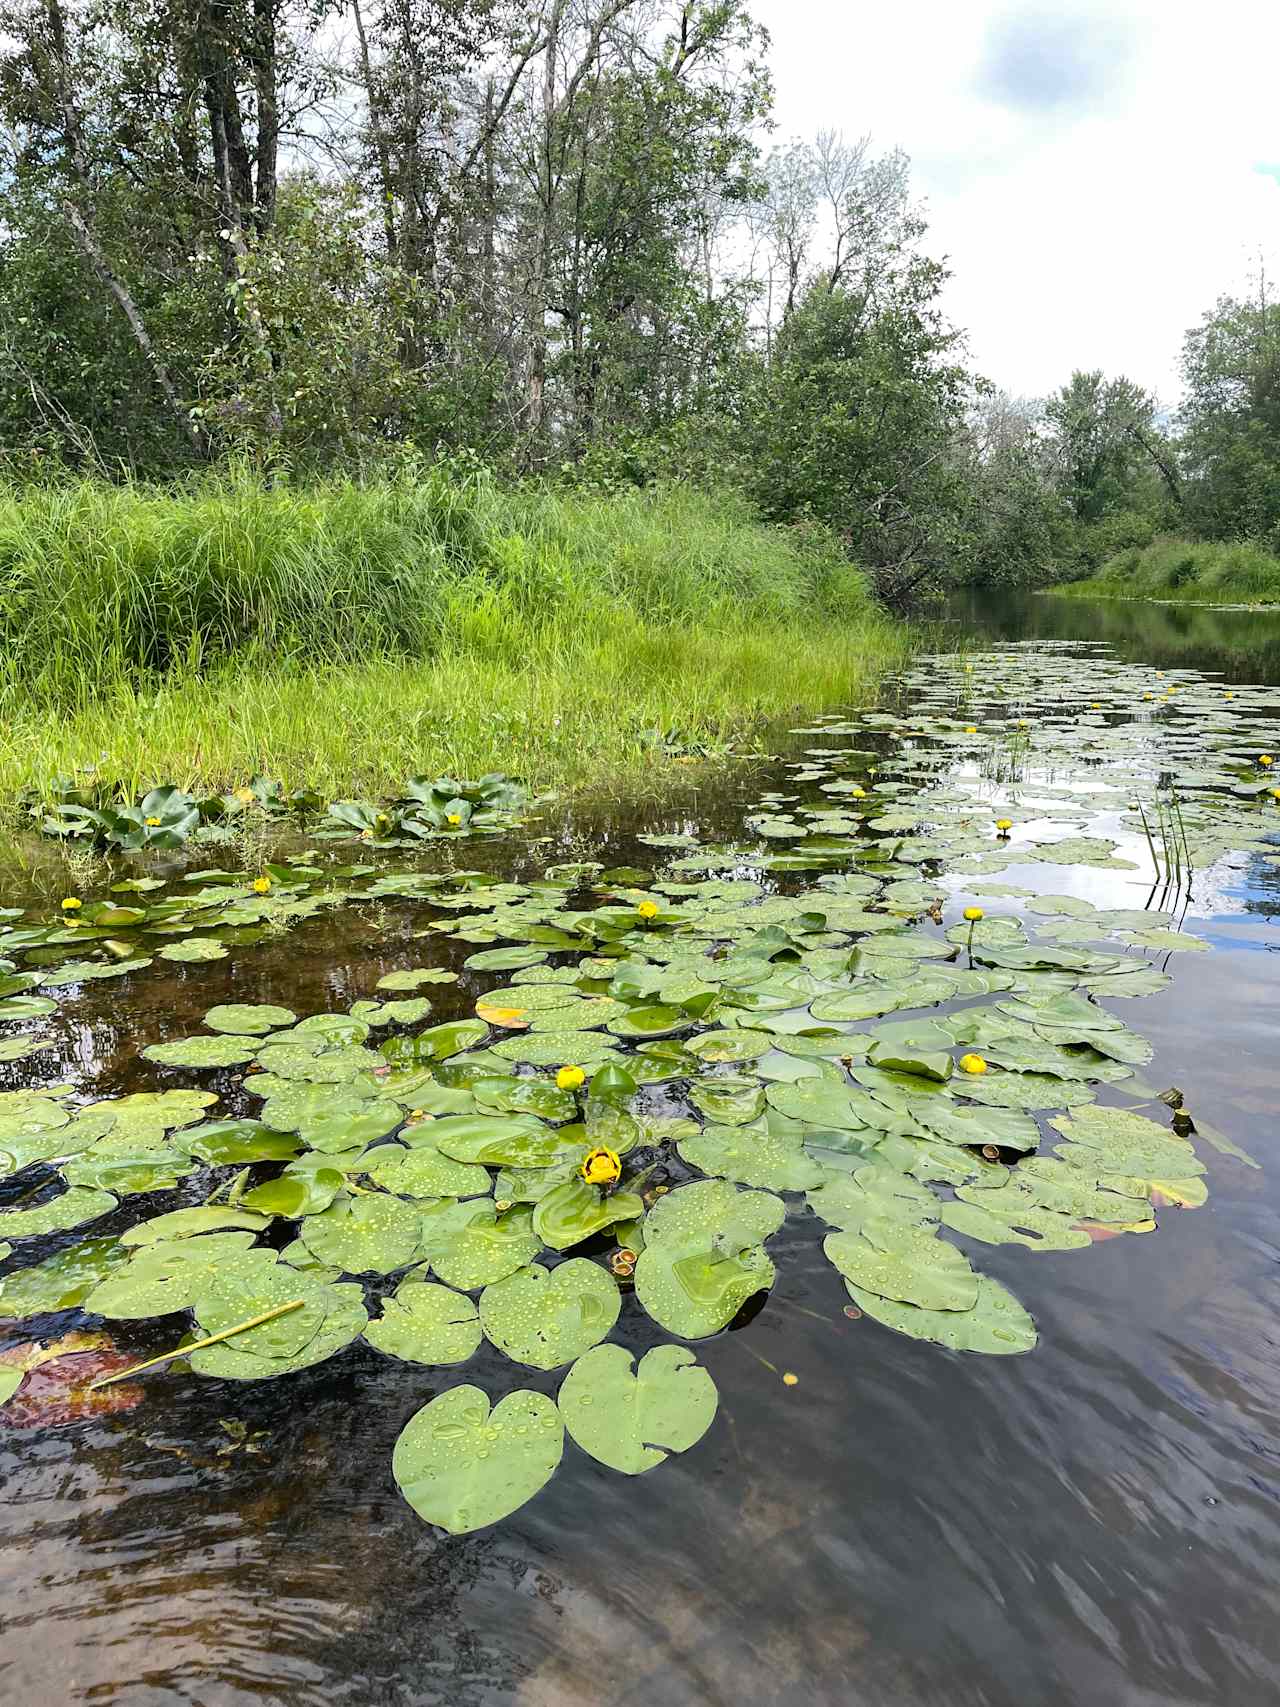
[
  {"x": 1185, "y": 572},
  {"x": 348, "y": 634}
]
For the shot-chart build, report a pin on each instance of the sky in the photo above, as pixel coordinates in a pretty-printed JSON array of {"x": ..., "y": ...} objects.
[{"x": 1097, "y": 174}]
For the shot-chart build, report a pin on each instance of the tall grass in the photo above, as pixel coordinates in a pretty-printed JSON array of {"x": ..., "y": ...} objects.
[
  {"x": 344, "y": 635},
  {"x": 1187, "y": 572}
]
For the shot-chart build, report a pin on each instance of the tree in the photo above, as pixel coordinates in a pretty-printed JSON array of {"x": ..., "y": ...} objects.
[{"x": 1230, "y": 418}]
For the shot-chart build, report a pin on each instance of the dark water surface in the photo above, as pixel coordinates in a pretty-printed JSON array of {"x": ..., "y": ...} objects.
[{"x": 1097, "y": 1522}]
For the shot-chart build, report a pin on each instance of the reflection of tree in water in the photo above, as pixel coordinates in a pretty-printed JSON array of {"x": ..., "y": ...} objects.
[{"x": 1243, "y": 644}]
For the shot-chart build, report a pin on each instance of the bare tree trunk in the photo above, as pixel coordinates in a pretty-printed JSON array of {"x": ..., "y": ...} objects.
[
  {"x": 92, "y": 251},
  {"x": 268, "y": 104},
  {"x": 536, "y": 405},
  {"x": 378, "y": 128}
]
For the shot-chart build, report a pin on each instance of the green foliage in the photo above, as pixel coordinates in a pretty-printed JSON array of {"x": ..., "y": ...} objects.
[
  {"x": 1188, "y": 571},
  {"x": 852, "y": 420}
]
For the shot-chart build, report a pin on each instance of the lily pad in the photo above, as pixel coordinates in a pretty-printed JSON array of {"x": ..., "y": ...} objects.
[
  {"x": 463, "y": 1466},
  {"x": 372, "y": 1235},
  {"x": 631, "y": 1417},
  {"x": 201, "y": 1052},
  {"x": 997, "y": 1324},
  {"x": 425, "y": 1323},
  {"x": 547, "y": 1317}
]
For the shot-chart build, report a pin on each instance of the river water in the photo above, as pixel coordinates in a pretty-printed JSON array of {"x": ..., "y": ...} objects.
[{"x": 1097, "y": 1522}]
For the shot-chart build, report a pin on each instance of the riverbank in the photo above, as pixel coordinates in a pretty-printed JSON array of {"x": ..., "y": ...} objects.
[
  {"x": 1179, "y": 571},
  {"x": 345, "y": 636}
]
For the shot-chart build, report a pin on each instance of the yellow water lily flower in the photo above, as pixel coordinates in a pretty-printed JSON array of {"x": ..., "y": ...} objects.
[
  {"x": 1004, "y": 825},
  {"x": 973, "y": 914},
  {"x": 1264, "y": 759},
  {"x": 71, "y": 904},
  {"x": 1095, "y": 705},
  {"x": 601, "y": 1166},
  {"x": 454, "y": 818},
  {"x": 261, "y": 884},
  {"x": 244, "y": 796},
  {"x": 366, "y": 835},
  {"x": 648, "y": 909},
  {"x": 971, "y": 729},
  {"x": 857, "y": 792},
  {"x": 973, "y": 1064},
  {"x": 569, "y": 1078},
  {"x": 1275, "y": 795},
  {"x": 151, "y": 822}
]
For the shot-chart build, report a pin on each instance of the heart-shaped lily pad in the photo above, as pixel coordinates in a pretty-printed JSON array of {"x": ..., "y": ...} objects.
[
  {"x": 546, "y": 1317},
  {"x": 632, "y": 1421},
  {"x": 425, "y": 1323},
  {"x": 462, "y": 1466}
]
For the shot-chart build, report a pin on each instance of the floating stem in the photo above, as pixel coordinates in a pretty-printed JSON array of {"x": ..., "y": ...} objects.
[{"x": 199, "y": 1345}]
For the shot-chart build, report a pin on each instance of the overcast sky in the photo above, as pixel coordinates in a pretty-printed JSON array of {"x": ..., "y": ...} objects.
[{"x": 1098, "y": 174}]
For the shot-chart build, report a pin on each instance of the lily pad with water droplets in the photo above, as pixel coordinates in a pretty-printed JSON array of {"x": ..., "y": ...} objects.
[
  {"x": 426, "y": 1323},
  {"x": 478, "y": 1246},
  {"x": 62, "y": 1281},
  {"x": 752, "y": 1155},
  {"x": 425, "y": 1171},
  {"x": 632, "y": 1419},
  {"x": 372, "y": 1235},
  {"x": 75, "y": 1206},
  {"x": 463, "y": 1466},
  {"x": 201, "y": 1052},
  {"x": 997, "y": 1324},
  {"x": 344, "y": 1318},
  {"x": 547, "y": 1317},
  {"x": 910, "y": 1264}
]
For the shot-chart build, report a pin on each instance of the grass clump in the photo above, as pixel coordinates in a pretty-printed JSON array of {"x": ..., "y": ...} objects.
[
  {"x": 1186, "y": 572},
  {"x": 344, "y": 635}
]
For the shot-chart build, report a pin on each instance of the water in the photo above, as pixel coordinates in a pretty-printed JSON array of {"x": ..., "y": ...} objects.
[{"x": 1095, "y": 1522}]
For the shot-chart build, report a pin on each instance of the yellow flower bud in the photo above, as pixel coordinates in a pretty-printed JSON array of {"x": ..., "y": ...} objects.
[
  {"x": 151, "y": 822},
  {"x": 454, "y": 818},
  {"x": 973, "y": 914},
  {"x": 71, "y": 904},
  {"x": 261, "y": 884},
  {"x": 569, "y": 1078},
  {"x": 648, "y": 909},
  {"x": 973, "y": 1064}
]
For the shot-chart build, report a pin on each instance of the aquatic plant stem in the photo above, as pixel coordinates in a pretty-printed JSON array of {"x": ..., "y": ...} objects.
[{"x": 198, "y": 1345}]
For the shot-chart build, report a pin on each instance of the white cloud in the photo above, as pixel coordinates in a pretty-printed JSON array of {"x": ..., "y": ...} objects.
[{"x": 1095, "y": 173}]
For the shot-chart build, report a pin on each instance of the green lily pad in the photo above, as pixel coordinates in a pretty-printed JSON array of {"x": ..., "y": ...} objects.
[
  {"x": 752, "y": 1155},
  {"x": 197, "y": 951},
  {"x": 547, "y": 1317},
  {"x": 910, "y": 1264},
  {"x": 481, "y": 1248},
  {"x": 201, "y": 1052},
  {"x": 730, "y": 1045},
  {"x": 295, "y": 1195},
  {"x": 730, "y": 1101},
  {"x": 997, "y": 1324},
  {"x": 186, "y": 1223},
  {"x": 425, "y": 1171},
  {"x": 234, "y": 1143},
  {"x": 631, "y": 1417},
  {"x": 75, "y": 1206},
  {"x": 171, "y": 1273},
  {"x": 571, "y": 1210},
  {"x": 344, "y": 1318},
  {"x": 463, "y": 1466},
  {"x": 62, "y": 1281},
  {"x": 515, "y": 1140},
  {"x": 372, "y": 1235},
  {"x": 425, "y": 1323}
]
